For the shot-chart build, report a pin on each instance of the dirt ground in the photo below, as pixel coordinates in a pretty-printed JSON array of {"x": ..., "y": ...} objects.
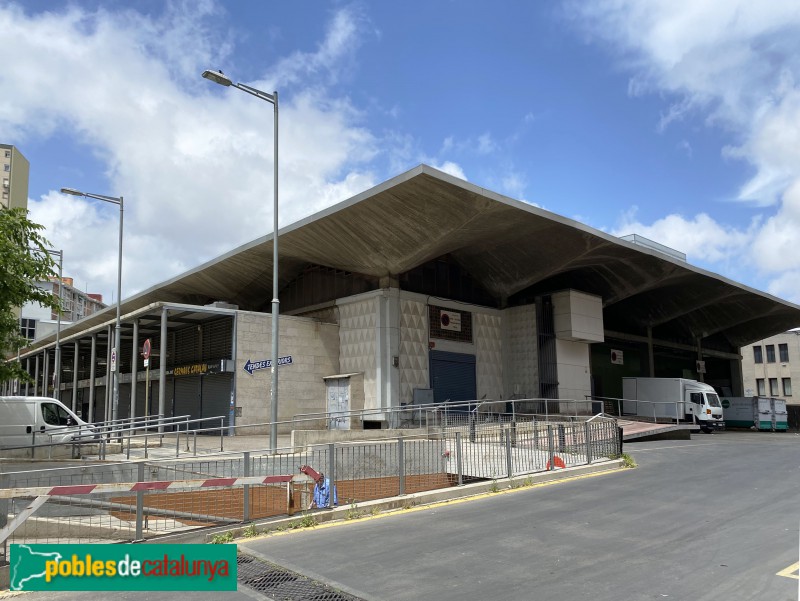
[{"x": 271, "y": 500}]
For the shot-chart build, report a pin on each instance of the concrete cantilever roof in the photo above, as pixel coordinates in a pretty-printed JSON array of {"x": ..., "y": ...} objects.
[{"x": 509, "y": 246}]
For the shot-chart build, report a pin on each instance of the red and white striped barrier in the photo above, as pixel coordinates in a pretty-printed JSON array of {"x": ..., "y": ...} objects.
[{"x": 120, "y": 487}]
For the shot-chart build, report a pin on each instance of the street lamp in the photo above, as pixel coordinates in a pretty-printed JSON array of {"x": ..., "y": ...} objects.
[
  {"x": 223, "y": 80},
  {"x": 117, "y": 333}
]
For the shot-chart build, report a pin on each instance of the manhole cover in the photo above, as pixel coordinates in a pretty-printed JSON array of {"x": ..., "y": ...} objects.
[{"x": 284, "y": 585}]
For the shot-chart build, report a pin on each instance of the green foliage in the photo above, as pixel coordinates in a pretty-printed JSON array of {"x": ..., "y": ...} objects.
[
  {"x": 354, "y": 512},
  {"x": 627, "y": 460},
  {"x": 494, "y": 487},
  {"x": 221, "y": 539},
  {"x": 20, "y": 269},
  {"x": 250, "y": 531},
  {"x": 307, "y": 521}
]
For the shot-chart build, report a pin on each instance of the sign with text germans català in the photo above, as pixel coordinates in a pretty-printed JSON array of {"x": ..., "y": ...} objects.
[
  {"x": 100, "y": 567},
  {"x": 252, "y": 366}
]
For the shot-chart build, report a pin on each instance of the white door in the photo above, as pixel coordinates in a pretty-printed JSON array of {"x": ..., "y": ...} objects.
[{"x": 338, "y": 390}]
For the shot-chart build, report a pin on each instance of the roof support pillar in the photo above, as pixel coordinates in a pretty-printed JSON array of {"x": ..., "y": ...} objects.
[
  {"x": 92, "y": 376},
  {"x": 700, "y": 376},
  {"x": 651, "y": 362},
  {"x": 162, "y": 368},
  {"x": 75, "y": 377},
  {"x": 134, "y": 368}
]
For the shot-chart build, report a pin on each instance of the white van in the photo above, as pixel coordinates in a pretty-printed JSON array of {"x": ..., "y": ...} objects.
[{"x": 27, "y": 420}]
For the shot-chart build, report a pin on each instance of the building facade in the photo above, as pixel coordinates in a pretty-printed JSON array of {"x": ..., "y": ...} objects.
[
  {"x": 37, "y": 321},
  {"x": 425, "y": 288},
  {"x": 14, "y": 169},
  {"x": 771, "y": 367}
]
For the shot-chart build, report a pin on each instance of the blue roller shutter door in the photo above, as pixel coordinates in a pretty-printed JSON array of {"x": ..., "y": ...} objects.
[{"x": 452, "y": 376}]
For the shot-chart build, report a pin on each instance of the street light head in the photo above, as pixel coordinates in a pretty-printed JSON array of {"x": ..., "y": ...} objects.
[
  {"x": 218, "y": 77},
  {"x": 72, "y": 191}
]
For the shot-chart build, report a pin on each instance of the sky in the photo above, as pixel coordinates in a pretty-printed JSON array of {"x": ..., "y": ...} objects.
[{"x": 673, "y": 119}]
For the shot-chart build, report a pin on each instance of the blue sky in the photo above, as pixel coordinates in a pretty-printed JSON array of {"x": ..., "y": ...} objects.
[{"x": 676, "y": 120}]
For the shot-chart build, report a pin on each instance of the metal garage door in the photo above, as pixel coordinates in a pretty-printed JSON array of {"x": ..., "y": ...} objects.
[
  {"x": 187, "y": 397},
  {"x": 452, "y": 376},
  {"x": 216, "y": 398}
]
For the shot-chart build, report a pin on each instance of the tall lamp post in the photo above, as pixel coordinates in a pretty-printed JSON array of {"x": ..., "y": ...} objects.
[
  {"x": 224, "y": 80},
  {"x": 117, "y": 334}
]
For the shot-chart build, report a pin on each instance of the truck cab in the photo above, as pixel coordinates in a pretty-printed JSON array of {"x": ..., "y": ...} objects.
[{"x": 705, "y": 408}]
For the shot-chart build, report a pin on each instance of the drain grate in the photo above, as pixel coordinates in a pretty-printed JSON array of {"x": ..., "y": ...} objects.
[{"x": 281, "y": 584}]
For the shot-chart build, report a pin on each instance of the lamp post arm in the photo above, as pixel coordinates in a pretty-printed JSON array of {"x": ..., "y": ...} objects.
[{"x": 271, "y": 98}]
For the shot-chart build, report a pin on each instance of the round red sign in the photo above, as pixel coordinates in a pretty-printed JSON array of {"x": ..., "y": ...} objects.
[{"x": 146, "y": 349}]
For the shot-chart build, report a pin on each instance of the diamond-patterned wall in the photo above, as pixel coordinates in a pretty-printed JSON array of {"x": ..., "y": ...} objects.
[
  {"x": 488, "y": 355},
  {"x": 413, "y": 348},
  {"x": 357, "y": 344},
  {"x": 520, "y": 352}
]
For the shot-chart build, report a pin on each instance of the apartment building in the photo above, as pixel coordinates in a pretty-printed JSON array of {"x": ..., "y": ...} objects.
[
  {"x": 37, "y": 321},
  {"x": 771, "y": 367},
  {"x": 14, "y": 168}
]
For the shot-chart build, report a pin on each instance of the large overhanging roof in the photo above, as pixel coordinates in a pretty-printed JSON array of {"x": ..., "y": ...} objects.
[{"x": 506, "y": 245}]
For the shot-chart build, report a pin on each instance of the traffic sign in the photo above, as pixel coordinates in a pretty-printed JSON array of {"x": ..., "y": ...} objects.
[
  {"x": 113, "y": 359},
  {"x": 146, "y": 349}
]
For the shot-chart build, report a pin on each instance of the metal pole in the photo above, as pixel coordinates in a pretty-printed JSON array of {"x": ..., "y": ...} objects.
[
  {"x": 92, "y": 375},
  {"x": 46, "y": 373},
  {"x": 134, "y": 369},
  {"x": 36, "y": 378},
  {"x": 273, "y": 433},
  {"x": 27, "y": 369},
  {"x": 331, "y": 471},
  {"x": 459, "y": 460},
  {"x": 117, "y": 332},
  {"x": 162, "y": 372},
  {"x": 509, "y": 463},
  {"x": 401, "y": 460},
  {"x": 139, "y": 502},
  {"x": 75, "y": 378},
  {"x": 246, "y": 491}
]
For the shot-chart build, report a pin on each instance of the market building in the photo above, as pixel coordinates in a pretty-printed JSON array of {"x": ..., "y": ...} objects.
[{"x": 423, "y": 288}]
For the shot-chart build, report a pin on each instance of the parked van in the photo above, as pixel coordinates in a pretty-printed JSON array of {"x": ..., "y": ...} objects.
[{"x": 27, "y": 420}]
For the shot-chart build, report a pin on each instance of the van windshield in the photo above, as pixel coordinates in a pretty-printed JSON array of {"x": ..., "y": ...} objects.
[{"x": 713, "y": 399}]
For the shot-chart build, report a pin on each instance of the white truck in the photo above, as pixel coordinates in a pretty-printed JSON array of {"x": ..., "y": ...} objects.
[{"x": 674, "y": 398}]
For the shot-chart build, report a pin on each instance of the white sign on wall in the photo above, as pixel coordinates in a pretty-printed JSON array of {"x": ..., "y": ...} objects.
[
  {"x": 450, "y": 320},
  {"x": 616, "y": 357}
]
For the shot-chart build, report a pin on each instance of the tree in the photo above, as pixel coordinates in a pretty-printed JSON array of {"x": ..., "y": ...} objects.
[{"x": 24, "y": 261}]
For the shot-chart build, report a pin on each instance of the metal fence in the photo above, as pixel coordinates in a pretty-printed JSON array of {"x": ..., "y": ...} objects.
[{"x": 165, "y": 498}]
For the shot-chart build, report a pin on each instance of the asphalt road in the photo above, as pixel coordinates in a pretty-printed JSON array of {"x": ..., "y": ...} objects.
[
  {"x": 712, "y": 518},
  {"x": 716, "y": 517}
]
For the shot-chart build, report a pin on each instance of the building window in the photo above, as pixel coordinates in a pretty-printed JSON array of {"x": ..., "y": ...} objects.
[
  {"x": 770, "y": 353},
  {"x": 8, "y": 154},
  {"x": 787, "y": 387},
  {"x": 27, "y": 328},
  {"x": 773, "y": 387},
  {"x": 783, "y": 351},
  {"x": 760, "y": 390},
  {"x": 7, "y": 167},
  {"x": 758, "y": 357}
]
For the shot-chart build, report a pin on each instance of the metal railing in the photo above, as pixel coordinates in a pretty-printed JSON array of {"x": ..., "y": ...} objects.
[
  {"x": 451, "y": 456},
  {"x": 653, "y": 410}
]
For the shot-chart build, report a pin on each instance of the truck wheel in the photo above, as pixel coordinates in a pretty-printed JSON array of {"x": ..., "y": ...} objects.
[{"x": 705, "y": 429}]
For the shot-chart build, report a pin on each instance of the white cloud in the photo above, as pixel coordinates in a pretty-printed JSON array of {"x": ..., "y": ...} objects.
[
  {"x": 736, "y": 64},
  {"x": 452, "y": 168},
  {"x": 193, "y": 160}
]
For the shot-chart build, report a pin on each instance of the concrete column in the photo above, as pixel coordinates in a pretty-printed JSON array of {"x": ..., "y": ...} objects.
[
  {"x": 388, "y": 349},
  {"x": 109, "y": 379},
  {"x": 92, "y": 371},
  {"x": 36, "y": 378},
  {"x": 75, "y": 377},
  {"x": 650, "y": 356},
  {"x": 46, "y": 373},
  {"x": 134, "y": 368},
  {"x": 700, "y": 377},
  {"x": 162, "y": 369}
]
